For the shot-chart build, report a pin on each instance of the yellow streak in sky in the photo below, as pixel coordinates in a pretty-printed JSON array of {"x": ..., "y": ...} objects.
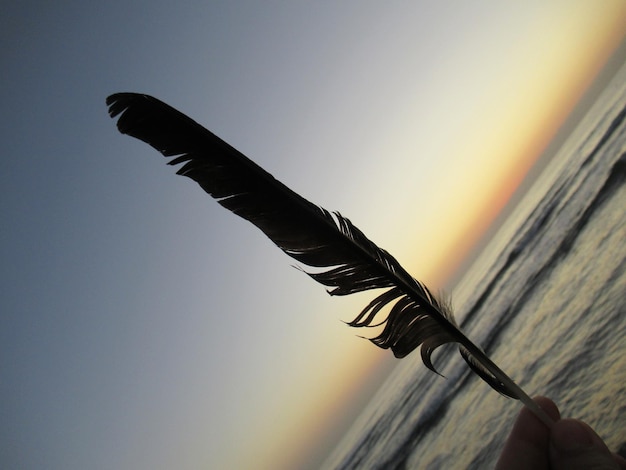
[
  {"x": 518, "y": 119},
  {"x": 508, "y": 138}
]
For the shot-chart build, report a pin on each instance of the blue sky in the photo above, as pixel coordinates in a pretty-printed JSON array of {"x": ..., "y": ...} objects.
[{"x": 142, "y": 325}]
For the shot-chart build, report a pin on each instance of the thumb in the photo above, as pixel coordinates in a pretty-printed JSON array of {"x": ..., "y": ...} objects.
[{"x": 574, "y": 445}]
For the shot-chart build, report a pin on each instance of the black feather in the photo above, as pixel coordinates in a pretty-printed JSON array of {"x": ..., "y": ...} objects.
[{"x": 310, "y": 234}]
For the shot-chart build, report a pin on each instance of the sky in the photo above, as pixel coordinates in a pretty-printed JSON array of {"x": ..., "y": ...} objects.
[{"x": 144, "y": 326}]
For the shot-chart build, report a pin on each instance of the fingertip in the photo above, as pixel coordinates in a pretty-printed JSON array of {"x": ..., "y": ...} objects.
[
  {"x": 528, "y": 443},
  {"x": 548, "y": 406}
]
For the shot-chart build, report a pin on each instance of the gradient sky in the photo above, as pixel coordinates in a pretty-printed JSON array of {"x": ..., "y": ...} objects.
[{"x": 142, "y": 325}]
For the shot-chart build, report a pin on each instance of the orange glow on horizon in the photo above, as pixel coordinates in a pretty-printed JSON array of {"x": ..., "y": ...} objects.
[
  {"x": 510, "y": 147},
  {"x": 497, "y": 187}
]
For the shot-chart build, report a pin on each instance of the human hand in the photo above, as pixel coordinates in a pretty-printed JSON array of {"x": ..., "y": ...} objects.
[{"x": 569, "y": 445}]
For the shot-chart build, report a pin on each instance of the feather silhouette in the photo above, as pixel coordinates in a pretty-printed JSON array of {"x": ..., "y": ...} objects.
[{"x": 345, "y": 260}]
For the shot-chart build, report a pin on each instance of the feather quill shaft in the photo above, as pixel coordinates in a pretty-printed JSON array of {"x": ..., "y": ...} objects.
[{"x": 312, "y": 235}]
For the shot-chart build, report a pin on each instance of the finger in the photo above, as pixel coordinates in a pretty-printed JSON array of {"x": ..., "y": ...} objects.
[
  {"x": 574, "y": 445},
  {"x": 527, "y": 445}
]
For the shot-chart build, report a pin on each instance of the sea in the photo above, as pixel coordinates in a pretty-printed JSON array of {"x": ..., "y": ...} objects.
[{"x": 547, "y": 302}]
